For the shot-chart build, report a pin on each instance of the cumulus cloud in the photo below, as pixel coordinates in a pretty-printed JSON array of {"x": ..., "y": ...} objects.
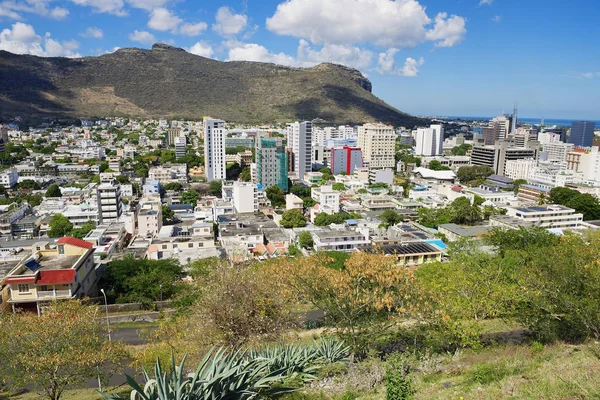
[
  {"x": 92, "y": 32},
  {"x": 228, "y": 23},
  {"x": 193, "y": 29},
  {"x": 386, "y": 64},
  {"x": 162, "y": 19},
  {"x": 256, "y": 52},
  {"x": 142, "y": 37},
  {"x": 104, "y": 6},
  {"x": 497, "y": 18},
  {"x": 448, "y": 31},
  {"x": 6, "y": 12},
  {"x": 202, "y": 49},
  {"x": 351, "y": 56},
  {"x": 22, "y": 39},
  {"x": 485, "y": 2},
  {"x": 147, "y": 4},
  {"x": 12, "y": 8}
]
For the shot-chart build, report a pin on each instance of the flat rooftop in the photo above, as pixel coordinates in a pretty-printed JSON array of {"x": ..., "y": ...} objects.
[{"x": 405, "y": 249}]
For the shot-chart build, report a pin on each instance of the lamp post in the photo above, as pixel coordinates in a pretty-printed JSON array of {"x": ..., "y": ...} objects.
[
  {"x": 160, "y": 286},
  {"x": 106, "y": 308}
]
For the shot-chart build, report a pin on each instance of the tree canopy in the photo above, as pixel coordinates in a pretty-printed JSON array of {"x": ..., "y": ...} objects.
[
  {"x": 584, "y": 203},
  {"x": 276, "y": 196},
  {"x": 473, "y": 175},
  {"x": 293, "y": 219},
  {"x": 53, "y": 191},
  {"x": 59, "y": 226}
]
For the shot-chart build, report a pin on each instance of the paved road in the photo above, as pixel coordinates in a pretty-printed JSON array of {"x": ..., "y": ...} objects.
[{"x": 131, "y": 336}]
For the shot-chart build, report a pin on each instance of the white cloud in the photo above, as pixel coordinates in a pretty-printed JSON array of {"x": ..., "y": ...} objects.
[
  {"x": 350, "y": 56},
  {"x": 162, "y": 19},
  {"x": 386, "y": 64},
  {"x": 193, "y": 29},
  {"x": 256, "y": 52},
  {"x": 228, "y": 23},
  {"x": 587, "y": 74},
  {"x": 58, "y": 13},
  {"x": 22, "y": 39},
  {"x": 485, "y": 2},
  {"x": 147, "y": 4},
  {"x": 202, "y": 49},
  {"x": 8, "y": 13},
  {"x": 104, "y": 6},
  {"x": 142, "y": 37},
  {"x": 448, "y": 31},
  {"x": 93, "y": 32},
  {"x": 11, "y": 9},
  {"x": 497, "y": 18}
]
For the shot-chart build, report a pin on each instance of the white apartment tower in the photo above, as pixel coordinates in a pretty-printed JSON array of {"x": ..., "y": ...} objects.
[
  {"x": 378, "y": 145},
  {"x": 299, "y": 136},
  {"x": 110, "y": 207},
  {"x": 214, "y": 149},
  {"x": 429, "y": 141}
]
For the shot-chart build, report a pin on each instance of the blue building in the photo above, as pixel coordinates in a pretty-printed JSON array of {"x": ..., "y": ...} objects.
[{"x": 582, "y": 133}]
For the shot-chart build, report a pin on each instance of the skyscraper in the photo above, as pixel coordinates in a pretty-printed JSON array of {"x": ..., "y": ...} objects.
[
  {"x": 109, "y": 199},
  {"x": 214, "y": 149},
  {"x": 378, "y": 145},
  {"x": 429, "y": 140},
  {"x": 582, "y": 133},
  {"x": 271, "y": 163},
  {"x": 300, "y": 141}
]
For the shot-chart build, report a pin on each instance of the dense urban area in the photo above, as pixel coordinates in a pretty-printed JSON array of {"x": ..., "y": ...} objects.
[{"x": 299, "y": 261}]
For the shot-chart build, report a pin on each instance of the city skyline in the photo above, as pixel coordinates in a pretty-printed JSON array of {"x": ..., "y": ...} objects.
[{"x": 426, "y": 57}]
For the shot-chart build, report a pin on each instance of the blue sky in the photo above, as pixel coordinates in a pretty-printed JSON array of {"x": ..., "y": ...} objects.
[{"x": 425, "y": 57}]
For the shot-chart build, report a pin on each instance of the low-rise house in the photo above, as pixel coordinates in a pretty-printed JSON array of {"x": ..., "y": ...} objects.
[
  {"x": 339, "y": 240},
  {"x": 47, "y": 274},
  {"x": 454, "y": 232},
  {"x": 293, "y": 202},
  {"x": 430, "y": 176},
  {"x": 409, "y": 254}
]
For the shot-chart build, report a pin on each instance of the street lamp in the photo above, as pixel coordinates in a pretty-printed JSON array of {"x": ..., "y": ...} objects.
[
  {"x": 106, "y": 308},
  {"x": 160, "y": 286}
]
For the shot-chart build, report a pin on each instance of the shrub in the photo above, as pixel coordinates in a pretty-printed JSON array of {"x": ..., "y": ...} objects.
[{"x": 398, "y": 384}]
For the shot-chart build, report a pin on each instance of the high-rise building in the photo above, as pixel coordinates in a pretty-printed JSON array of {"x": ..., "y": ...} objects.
[
  {"x": 173, "y": 133},
  {"x": 109, "y": 199},
  {"x": 214, "y": 149},
  {"x": 300, "y": 141},
  {"x": 378, "y": 145},
  {"x": 502, "y": 126},
  {"x": 429, "y": 141},
  {"x": 497, "y": 155},
  {"x": 582, "y": 133},
  {"x": 180, "y": 144},
  {"x": 345, "y": 159},
  {"x": 271, "y": 163}
]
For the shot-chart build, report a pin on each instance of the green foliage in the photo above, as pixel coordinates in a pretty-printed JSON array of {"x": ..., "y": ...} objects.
[
  {"x": 59, "y": 226},
  {"x": 190, "y": 197},
  {"x": 390, "y": 217},
  {"x": 460, "y": 211},
  {"x": 215, "y": 188},
  {"x": 236, "y": 149},
  {"x": 28, "y": 184},
  {"x": 276, "y": 196},
  {"x": 305, "y": 240},
  {"x": 300, "y": 191},
  {"x": 176, "y": 186},
  {"x": 81, "y": 232},
  {"x": 293, "y": 219},
  {"x": 308, "y": 202},
  {"x": 103, "y": 167},
  {"x": 245, "y": 175},
  {"x": 338, "y": 186},
  {"x": 437, "y": 166},
  {"x": 461, "y": 150},
  {"x": 294, "y": 251},
  {"x": 475, "y": 174},
  {"x": 585, "y": 203},
  {"x": 167, "y": 156},
  {"x": 53, "y": 191},
  {"x": 398, "y": 384},
  {"x": 122, "y": 179},
  {"x": 130, "y": 280},
  {"x": 167, "y": 214},
  {"x": 406, "y": 157},
  {"x": 517, "y": 184},
  {"x": 324, "y": 219}
]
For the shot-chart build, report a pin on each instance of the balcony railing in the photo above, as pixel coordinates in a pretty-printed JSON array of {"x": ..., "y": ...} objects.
[{"x": 52, "y": 294}]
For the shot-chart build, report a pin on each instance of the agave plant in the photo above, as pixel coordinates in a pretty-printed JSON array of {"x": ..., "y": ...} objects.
[
  {"x": 331, "y": 350},
  {"x": 220, "y": 376},
  {"x": 295, "y": 359}
]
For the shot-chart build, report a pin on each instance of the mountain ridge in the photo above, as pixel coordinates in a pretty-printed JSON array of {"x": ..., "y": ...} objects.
[{"x": 166, "y": 81}]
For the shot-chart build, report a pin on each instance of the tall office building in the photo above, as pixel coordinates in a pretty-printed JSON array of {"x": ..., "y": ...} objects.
[
  {"x": 271, "y": 163},
  {"x": 502, "y": 151},
  {"x": 300, "y": 141},
  {"x": 582, "y": 133},
  {"x": 173, "y": 133},
  {"x": 502, "y": 126},
  {"x": 109, "y": 199},
  {"x": 429, "y": 141},
  {"x": 378, "y": 145},
  {"x": 214, "y": 149}
]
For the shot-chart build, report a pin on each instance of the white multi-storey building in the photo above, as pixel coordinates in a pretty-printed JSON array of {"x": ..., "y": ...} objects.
[
  {"x": 110, "y": 207},
  {"x": 9, "y": 177},
  {"x": 550, "y": 176},
  {"x": 548, "y": 216},
  {"x": 429, "y": 141},
  {"x": 378, "y": 144},
  {"x": 556, "y": 151},
  {"x": 519, "y": 169},
  {"x": 245, "y": 197},
  {"x": 214, "y": 149},
  {"x": 300, "y": 141}
]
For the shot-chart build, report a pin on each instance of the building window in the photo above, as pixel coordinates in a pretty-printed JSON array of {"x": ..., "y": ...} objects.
[
  {"x": 61, "y": 249},
  {"x": 164, "y": 246},
  {"x": 23, "y": 287}
]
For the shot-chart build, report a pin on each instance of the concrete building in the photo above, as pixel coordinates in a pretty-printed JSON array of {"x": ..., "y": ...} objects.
[
  {"x": 502, "y": 151},
  {"x": 339, "y": 240},
  {"x": 555, "y": 152},
  {"x": 409, "y": 254},
  {"x": 149, "y": 222},
  {"x": 328, "y": 199},
  {"x": 271, "y": 163},
  {"x": 293, "y": 202},
  {"x": 172, "y": 133},
  {"x": 244, "y": 196},
  {"x": 47, "y": 274},
  {"x": 345, "y": 159},
  {"x": 180, "y": 147},
  {"x": 110, "y": 207},
  {"x": 378, "y": 145},
  {"x": 300, "y": 141},
  {"x": 9, "y": 177},
  {"x": 214, "y": 149},
  {"x": 429, "y": 141},
  {"x": 519, "y": 169},
  {"x": 532, "y": 193},
  {"x": 582, "y": 133},
  {"x": 546, "y": 216},
  {"x": 169, "y": 173},
  {"x": 587, "y": 162}
]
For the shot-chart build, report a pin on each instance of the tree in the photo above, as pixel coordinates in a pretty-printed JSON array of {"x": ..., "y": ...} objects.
[
  {"x": 215, "y": 188},
  {"x": 190, "y": 197},
  {"x": 59, "y": 226},
  {"x": 322, "y": 219},
  {"x": 305, "y": 240},
  {"x": 464, "y": 212},
  {"x": 167, "y": 156},
  {"x": 122, "y": 179},
  {"x": 29, "y": 184},
  {"x": 63, "y": 348},
  {"x": 53, "y": 191},
  {"x": 131, "y": 280},
  {"x": 293, "y": 219},
  {"x": 308, "y": 202},
  {"x": 176, "y": 186},
  {"x": 437, "y": 166},
  {"x": 275, "y": 195},
  {"x": 517, "y": 184},
  {"x": 233, "y": 171},
  {"x": 86, "y": 228},
  {"x": 338, "y": 186},
  {"x": 586, "y": 204},
  {"x": 245, "y": 175},
  {"x": 475, "y": 173},
  {"x": 167, "y": 214},
  {"x": 300, "y": 191},
  {"x": 103, "y": 166},
  {"x": 390, "y": 217}
]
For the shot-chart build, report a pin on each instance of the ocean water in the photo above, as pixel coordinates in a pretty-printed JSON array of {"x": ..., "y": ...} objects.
[{"x": 533, "y": 121}]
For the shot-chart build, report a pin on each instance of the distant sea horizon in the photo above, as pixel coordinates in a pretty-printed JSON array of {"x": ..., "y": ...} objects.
[{"x": 529, "y": 121}]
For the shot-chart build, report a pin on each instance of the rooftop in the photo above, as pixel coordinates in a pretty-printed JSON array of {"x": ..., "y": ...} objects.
[
  {"x": 465, "y": 231},
  {"x": 405, "y": 249}
]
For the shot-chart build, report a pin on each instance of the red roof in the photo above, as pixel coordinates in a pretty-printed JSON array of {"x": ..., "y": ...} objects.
[
  {"x": 57, "y": 276},
  {"x": 75, "y": 242},
  {"x": 15, "y": 280}
]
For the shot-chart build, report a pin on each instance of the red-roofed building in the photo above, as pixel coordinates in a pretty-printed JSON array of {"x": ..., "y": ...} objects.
[{"x": 63, "y": 272}]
